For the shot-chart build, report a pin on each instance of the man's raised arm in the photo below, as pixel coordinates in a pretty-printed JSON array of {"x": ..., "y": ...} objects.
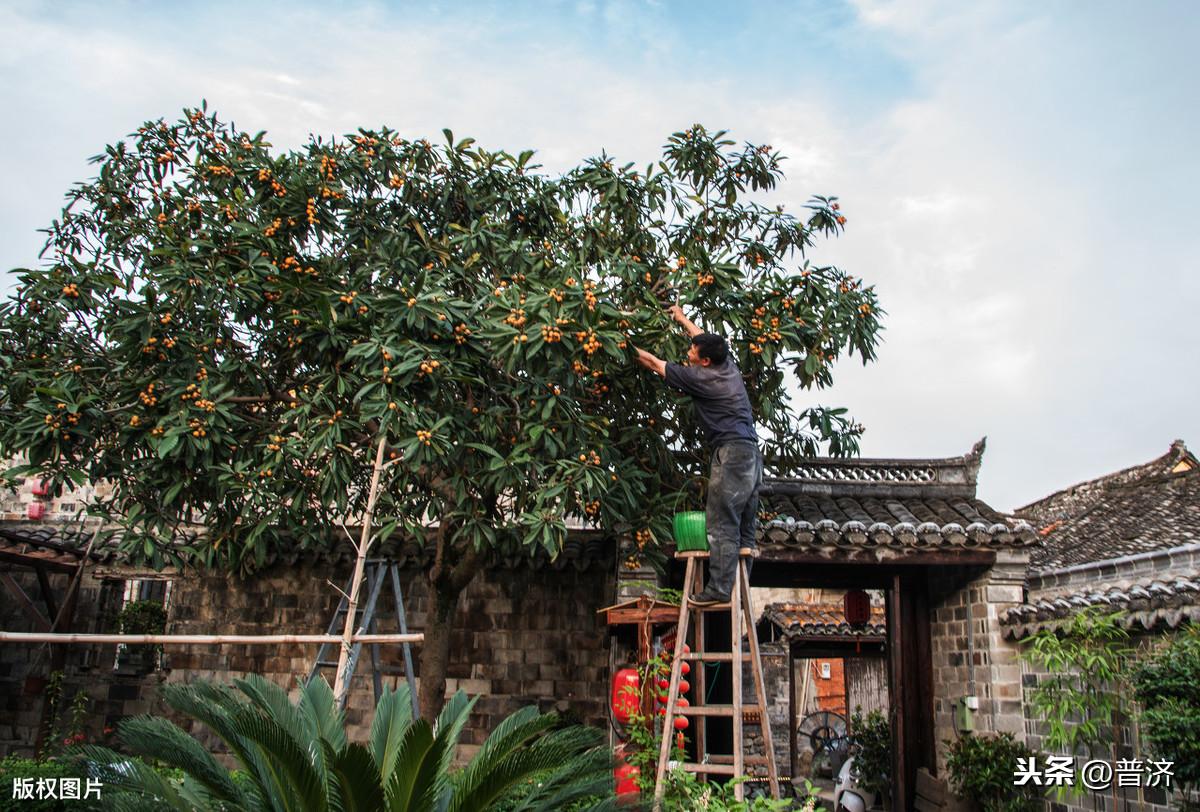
[
  {"x": 688, "y": 326},
  {"x": 651, "y": 362}
]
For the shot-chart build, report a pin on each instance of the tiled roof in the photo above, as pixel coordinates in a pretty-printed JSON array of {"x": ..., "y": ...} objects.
[
  {"x": 583, "y": 549},
  {"x": 872, "y": 503},
  {"x": 1072, "y": 501},
  {"x": 40, "y": 546},
  {"x": 1157, "y": 511},
  {"x": 1149, "y": 605},
  {"x": 822, "y": 620},
  {"x": 832, "y": 506}
]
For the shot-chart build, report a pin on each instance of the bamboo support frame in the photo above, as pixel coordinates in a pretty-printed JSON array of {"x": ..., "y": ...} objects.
[
  {"x": 203, "y": 639},
  {"x": 341, "y": 684}
]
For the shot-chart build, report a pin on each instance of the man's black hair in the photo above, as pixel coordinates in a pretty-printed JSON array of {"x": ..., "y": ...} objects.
[{"x": 712, "y": 347}]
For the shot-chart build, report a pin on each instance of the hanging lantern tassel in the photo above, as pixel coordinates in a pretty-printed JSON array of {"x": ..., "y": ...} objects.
[{"x": 679, "y": 740}]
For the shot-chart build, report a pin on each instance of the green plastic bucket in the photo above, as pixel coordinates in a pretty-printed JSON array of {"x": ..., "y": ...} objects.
[{"x": 690, "y": 531}]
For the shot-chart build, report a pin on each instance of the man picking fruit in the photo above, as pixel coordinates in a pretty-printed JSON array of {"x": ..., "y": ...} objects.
[{"x": 723, "y": 408}]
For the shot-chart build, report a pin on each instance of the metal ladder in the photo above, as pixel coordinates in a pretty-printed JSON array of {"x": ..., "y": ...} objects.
[
  {"x": 741, "y": 615},
  {"x": 374, "y": 573}
]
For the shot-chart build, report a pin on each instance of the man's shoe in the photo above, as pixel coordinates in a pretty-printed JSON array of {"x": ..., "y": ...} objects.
[{"x": 707, "y": 598}]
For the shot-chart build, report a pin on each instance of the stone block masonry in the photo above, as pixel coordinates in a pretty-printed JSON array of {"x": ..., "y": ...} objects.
[{"x": 523, "y": 636}]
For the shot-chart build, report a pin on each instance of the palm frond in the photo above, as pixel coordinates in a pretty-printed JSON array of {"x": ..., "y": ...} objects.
[
  {"x": 402, "y": 783},
  {"x": 586, "y": 775},
  {"x": 215, "y": 706},
  {"x": 448, "y": 728},
  {"x": 157, "y": 738},
  {"x": 356, "y": 778},
  {"x": 516, "y": 729},
  {"x": 393, "y": 714},
  {"x": 285, "y": 764},
  {"x": 133, "y": 778},
  {"x": 319, "y": 707}
]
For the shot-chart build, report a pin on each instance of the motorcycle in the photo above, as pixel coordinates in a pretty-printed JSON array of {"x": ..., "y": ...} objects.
[{"x": 848, "y": 795}]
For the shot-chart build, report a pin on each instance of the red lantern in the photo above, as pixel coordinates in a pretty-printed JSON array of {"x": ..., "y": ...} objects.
[
  {"x": 626, "y": 694},
  {"x": 684, "y": 686},
  {"x": 664, "y": 684},
  {"x": 858, "y": 607},
  {"x": 36, "y": 510},
  {"x": 41, "y": 487},
  {"x": 685, "y": 669},
  {"x": 681, "y": 723},
  {"x": 626, "y": 776}
]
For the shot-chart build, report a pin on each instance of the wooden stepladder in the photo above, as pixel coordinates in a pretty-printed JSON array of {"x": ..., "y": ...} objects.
[
  {"x": 741, "y": 615},
  {"x": 374, "y": 574}
]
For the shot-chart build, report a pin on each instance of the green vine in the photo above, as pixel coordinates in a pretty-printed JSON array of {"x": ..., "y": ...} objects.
[{"x": 1083, "y": 696}]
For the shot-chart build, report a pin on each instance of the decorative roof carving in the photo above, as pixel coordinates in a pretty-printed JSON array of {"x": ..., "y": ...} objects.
[{"x": 947, "y": 477}]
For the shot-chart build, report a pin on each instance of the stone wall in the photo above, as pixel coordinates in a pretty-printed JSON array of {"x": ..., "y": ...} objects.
[
  {"x": 775, "y": 659},
  {"x": 523, "y": 637},
  {"x": 997, "y": 670}
]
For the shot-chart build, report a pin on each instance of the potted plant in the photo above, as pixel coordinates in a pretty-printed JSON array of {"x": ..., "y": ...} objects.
[
  {"x": 140, "y": 617},
  {"x": 871, "y": 749}
]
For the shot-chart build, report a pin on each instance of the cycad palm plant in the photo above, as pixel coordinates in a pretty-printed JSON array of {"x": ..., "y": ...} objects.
[{"x": 296, "y": 758}]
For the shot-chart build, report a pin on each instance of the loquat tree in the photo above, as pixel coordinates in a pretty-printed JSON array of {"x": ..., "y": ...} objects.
[{"x": 423, "y": 340}]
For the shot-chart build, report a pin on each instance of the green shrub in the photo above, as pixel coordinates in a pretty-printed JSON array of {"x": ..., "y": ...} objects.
[
  {"x": 14, "y": 768},
  {"x": 1167, "y": 685},
  {"x": 981, "y": 768},
  {"x": 872, "y": 750}
]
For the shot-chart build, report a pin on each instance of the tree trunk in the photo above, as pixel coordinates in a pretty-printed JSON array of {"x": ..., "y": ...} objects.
[{"x": 445, "y": 587}]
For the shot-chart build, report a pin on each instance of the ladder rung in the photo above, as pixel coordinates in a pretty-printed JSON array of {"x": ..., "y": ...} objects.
[
  {"x": 714, "y": 710},
  {"x": 710, "y": 656},
  {"x": 711, "y": 769},
  {"x": 724, "y": 758},
  {"x": 716, "y": 607}
]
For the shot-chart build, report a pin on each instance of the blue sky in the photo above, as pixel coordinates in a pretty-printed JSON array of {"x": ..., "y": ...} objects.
[{"x": 1020, "y": 176}]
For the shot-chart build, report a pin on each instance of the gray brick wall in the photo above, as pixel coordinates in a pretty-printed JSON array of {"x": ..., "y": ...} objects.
[
  {"x": 523, "y": 637},
  {"x": 979, "y": 605}
]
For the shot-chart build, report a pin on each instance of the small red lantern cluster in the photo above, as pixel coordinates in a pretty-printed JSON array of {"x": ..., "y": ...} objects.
[{"x": 664, "y": 687}]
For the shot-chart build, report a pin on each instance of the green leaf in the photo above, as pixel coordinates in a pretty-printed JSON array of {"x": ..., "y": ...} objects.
[{"x": 167, "y": 444}]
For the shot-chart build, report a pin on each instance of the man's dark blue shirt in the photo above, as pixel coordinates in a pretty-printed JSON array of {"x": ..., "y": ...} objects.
[{"x": 720, "y": 398}]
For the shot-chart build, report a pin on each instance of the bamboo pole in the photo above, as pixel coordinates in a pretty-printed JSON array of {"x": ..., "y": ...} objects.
[
  {"x": 341, "y": 684},
  {"x": 204, "y": 639}
]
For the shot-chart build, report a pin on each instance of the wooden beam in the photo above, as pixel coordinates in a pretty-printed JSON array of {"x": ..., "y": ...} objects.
[
  {"x": 25, "y": 602},
  {"x": 30, "y": 560},
  {"x": 897, "y": 691},
  {"x": 203, "y": 639},
  {"x": 47, "y": 593}
]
